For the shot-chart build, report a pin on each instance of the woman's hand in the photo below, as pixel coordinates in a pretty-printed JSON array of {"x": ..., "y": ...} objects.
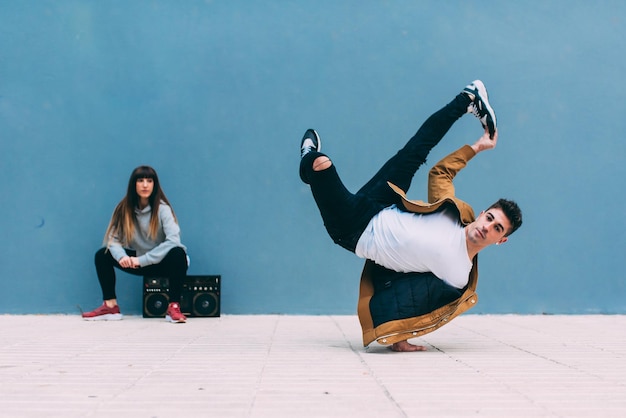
[{"x": 129, "y": 262}]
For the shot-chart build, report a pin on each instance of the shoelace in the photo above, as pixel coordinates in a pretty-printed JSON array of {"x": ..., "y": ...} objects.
[
  {"x": 306, "y": 150},
  {"x": 476, "y": 112}
]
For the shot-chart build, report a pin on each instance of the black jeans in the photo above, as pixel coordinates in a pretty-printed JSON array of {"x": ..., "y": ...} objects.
[
  {"x": 173, "y": 266},
  {"x": 345, "y": 214}
]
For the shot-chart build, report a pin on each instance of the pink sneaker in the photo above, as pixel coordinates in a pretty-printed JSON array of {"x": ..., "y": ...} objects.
[
  {"x": 103, "y": 313},
  {"x": 174, "y": 314}
]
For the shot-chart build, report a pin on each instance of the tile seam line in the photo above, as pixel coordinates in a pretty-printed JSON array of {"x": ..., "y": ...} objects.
[
  {"x": 537, "y": 355},
  {"x": 96, "y": 411},
  {"x": 259, "y": 380},
  {"x": 492, "y": 378},
  {"x": 359, "y": 355}
]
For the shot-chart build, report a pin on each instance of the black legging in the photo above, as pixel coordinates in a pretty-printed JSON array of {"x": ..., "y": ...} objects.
[
  {"x": 173, "y": 266},
  {"x": 345, "y": 214}
]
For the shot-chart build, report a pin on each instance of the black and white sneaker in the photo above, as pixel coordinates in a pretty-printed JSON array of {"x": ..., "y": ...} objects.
[
  {"x": 310, "y": 142},
  {"x": 480, "y": 106}
]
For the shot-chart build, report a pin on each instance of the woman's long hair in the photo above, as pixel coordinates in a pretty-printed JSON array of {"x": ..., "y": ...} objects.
[{"x": 122, "y": 224}]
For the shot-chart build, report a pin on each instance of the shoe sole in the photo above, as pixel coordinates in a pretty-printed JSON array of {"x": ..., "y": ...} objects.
[
  {"x": 169, "y": 319},
  {"x": 105, "y": 317},
  {"x": 484, "y": 97}
]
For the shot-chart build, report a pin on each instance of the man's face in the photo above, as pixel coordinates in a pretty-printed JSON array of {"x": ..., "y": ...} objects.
[{"x": 489, "y": 228}]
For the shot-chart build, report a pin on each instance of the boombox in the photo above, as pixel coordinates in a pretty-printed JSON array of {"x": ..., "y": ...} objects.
[{"x": 200, "y": 296}]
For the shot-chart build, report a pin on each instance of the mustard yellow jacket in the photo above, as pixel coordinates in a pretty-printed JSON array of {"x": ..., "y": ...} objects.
[{"x": 440, "y": 192}]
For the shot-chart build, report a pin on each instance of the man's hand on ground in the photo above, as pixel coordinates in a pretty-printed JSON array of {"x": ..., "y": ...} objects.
[{"x": 403, "y": 346}]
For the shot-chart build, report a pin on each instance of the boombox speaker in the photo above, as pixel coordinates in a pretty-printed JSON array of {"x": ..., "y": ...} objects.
[{"x": 200, "y": 296}]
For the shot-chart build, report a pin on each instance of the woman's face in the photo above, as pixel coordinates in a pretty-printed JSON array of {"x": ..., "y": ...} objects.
[{"x": 144, "y": 188}]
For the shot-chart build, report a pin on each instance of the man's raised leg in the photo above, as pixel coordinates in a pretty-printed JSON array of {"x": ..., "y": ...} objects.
[
  {"x": 401, "y": 168},
  {"x": 345, "y": 215}
]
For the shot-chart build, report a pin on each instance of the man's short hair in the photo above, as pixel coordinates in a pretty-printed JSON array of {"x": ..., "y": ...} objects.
[{"x": 511, "y": 211}]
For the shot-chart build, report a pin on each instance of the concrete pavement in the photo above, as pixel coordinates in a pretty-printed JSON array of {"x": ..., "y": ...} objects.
[{"x": 310, "y": 366}]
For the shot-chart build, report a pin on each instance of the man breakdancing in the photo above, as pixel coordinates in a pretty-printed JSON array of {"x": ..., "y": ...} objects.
[{"x": 421, "y": 267}]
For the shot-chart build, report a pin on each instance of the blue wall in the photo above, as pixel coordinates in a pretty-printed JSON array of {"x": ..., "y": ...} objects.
[{"x": 216, "y": 95}]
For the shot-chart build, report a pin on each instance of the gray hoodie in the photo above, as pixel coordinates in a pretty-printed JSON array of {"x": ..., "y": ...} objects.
[{"x": 150, "y": 251}]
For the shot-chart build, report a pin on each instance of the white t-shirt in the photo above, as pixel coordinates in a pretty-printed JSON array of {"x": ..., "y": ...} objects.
[{"x": 410, "y": 242}]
